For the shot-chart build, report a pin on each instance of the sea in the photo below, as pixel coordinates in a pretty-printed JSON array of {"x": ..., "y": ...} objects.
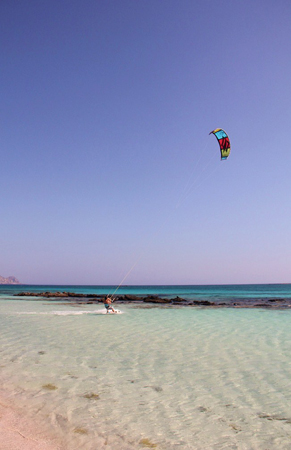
[{"x": 154, "y": 377}]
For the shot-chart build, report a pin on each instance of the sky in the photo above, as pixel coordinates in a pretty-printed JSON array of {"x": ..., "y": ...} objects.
[{"x": 108, "y": 171}]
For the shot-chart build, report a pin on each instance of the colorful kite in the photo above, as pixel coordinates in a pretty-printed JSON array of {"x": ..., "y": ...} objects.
[{"x": 223, "y": 141}]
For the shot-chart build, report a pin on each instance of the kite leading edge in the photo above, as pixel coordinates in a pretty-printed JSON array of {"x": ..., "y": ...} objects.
[{"x": 223, "y": 141}]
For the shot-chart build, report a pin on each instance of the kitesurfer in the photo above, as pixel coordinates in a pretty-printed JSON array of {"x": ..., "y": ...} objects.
[{"x": 107, "y": 304}]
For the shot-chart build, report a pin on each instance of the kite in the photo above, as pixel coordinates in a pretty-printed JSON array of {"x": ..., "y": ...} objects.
[{"x": 223, "y": 141}]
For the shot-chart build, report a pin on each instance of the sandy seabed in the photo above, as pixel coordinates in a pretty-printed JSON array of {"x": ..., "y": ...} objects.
[{"x": 18, "y": 432}]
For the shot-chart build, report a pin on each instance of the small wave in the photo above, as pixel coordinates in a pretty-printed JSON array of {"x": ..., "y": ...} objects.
[{"x": 67, "y": 313}]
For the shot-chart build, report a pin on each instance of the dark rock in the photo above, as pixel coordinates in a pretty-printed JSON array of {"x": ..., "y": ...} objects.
[
  {"x": 262, "y": 305},
  {"x": 179, "y": 299},
  {"x": 130, "y": 297},
  {"x": 276, "y": 300},
  {"x": 203, "y": 303},
  {"x": 155, "y": 299}
]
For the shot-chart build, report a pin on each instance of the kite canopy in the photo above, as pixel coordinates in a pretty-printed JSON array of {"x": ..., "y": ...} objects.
[{"x": 223, "y": 141}]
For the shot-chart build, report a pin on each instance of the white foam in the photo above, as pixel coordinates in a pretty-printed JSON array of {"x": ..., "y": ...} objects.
[{"x": 70, "y": 313}]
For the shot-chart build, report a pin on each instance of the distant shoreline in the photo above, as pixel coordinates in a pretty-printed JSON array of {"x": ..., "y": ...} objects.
[{"x": 8, "y": 281}]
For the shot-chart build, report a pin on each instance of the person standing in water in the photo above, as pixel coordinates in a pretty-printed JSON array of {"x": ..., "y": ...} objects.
[{"x": 107, "y": 304}]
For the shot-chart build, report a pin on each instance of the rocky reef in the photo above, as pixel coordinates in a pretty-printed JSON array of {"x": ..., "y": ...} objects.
[{"x": 77, "y": 299}]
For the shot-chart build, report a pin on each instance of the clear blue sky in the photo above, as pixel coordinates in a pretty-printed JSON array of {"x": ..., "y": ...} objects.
[{"x": 106, "y": 108}]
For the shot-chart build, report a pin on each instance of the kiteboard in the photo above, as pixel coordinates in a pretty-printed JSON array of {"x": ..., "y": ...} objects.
[{"x": 116, "y": 311}]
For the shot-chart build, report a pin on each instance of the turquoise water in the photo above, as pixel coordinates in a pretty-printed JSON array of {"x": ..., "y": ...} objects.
[
  {"x": 152, "y": 377},
  {"x": 212, "y": 293}
]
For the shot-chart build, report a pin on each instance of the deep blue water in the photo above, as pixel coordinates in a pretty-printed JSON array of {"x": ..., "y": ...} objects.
[{"x": 204, "y": 292}]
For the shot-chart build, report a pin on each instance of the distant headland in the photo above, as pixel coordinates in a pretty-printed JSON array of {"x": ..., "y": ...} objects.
[{"x": 9, "y": 280}]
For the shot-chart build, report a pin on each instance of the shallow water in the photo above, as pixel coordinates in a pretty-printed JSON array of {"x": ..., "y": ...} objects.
[{"x": 153, "y": 377}]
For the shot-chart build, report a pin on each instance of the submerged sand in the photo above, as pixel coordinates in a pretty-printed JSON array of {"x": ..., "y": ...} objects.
[{"x": 21, "y": 433}]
